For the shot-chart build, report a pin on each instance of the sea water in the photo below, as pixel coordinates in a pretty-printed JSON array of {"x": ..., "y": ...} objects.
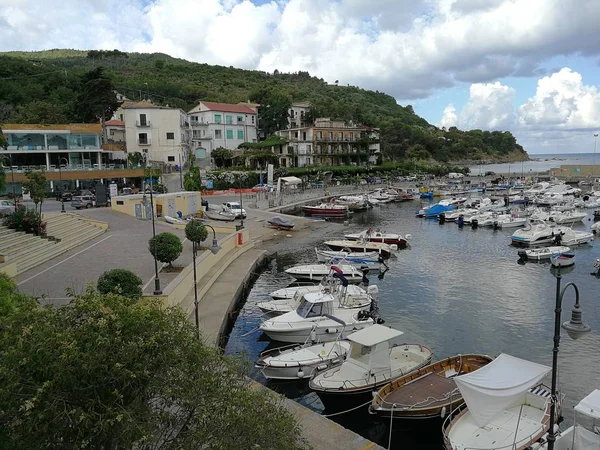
[{"x": 539, "y": 163}]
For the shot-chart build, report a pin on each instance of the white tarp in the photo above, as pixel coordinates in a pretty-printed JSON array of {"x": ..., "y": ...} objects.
[
  {"x": 585, "y": 439},
  {"x": 590, "y": 405},
  {"x": 291, "y": 180},
  {"x": 498, "y": 385}
]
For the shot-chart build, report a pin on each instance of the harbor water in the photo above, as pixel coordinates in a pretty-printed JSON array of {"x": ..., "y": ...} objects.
[
  {"x": 538, "y": 164},
  {"x": 457, "y": 291}
]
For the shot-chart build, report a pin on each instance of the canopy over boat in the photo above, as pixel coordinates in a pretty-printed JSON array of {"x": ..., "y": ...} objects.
[
  {"x": 496, "y": 386},
  {"x": 590, "y": 405}
]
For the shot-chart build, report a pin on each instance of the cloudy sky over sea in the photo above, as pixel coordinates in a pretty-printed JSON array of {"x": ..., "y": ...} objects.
[{"x": 528, "y": 66}]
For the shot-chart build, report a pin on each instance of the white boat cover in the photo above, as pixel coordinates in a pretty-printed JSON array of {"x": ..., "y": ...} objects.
[
  {"x": 590, "y": 405},
  {"x": 496, "y": 386},
  {"x": 584, "y": 439}
]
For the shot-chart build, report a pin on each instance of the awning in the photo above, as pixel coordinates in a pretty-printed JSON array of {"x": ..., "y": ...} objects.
[
  {"x": 590, "y": 405},
  {"x": 291, "y": 180},
  {"x": 498, "y": 385}
]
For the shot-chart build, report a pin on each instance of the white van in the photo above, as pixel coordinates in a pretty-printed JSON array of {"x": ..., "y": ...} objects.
[{"x": 454, "y": 175}]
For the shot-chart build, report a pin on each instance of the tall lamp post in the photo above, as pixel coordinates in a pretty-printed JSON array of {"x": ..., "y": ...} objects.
[
  {"x": 575, "y": 329},
  {"x": 62, "y": 197},
  {"x": 12, "y": 174},
  {"x": 214, "y": 249},
  {"x": 595, "y": 139},
  {"x": 157, "y": 289}
]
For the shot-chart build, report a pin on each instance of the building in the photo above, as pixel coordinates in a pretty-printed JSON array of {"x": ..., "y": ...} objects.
[
  {"x": 299, "y": 115},
  {"x": 73, "y": 155},
  {"x": 159, "y": 133},
  {"x": 328, "y": 143},
  {"x": 223, "y": 125}
]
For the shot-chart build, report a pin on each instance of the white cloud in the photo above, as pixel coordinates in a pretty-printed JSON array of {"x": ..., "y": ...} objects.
[{"x": 449, "y": 117}]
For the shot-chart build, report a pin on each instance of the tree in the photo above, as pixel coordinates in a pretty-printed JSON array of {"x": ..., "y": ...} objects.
[
  {"x": 196, "y": 232},
  {"x": 42, "y": 112},
  {"x": 120, "y": 281},
  {"x": 166, "y": 247},
  {"x": 221, "y": 156},
  {"x": 274, "y": 109},
  {"x": 97, "y": 99},
  {"x": 3, "y": 145},
  {"x": 109, "y": 372},
  {"x": 35, "y": 186}
]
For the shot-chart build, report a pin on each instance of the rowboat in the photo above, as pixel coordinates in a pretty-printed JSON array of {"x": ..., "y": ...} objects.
[
  {"x": 563, "y": 259},
  {"x": 378, "y": 236},
  {"x": 538, "y": 254},
  {"x": 360, "y": 246},
  {"x": 326, "y": 210}
]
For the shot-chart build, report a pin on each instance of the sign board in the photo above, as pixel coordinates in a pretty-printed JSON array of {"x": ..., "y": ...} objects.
[
  {"x": 112, "y": 189},
  {"x": 202, "y": 174},
  {"x": 26, "y": 197},
  {"x": 208, "y": 184},
  {"x": 270, "y": 174}
]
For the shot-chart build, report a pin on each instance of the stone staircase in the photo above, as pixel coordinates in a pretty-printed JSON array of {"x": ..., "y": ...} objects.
[{"x": 28, "y": 251}]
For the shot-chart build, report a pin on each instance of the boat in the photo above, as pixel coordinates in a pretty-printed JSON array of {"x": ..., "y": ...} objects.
[
  {"x": 537, "y": 232},
  {"x": 562, "y": 259},
  {"x": 537, "y": 254},
  {"x": 435, "y": 210},
  {"x": 567, "y": 217},
  {"x": 360, "y": 246},
  {"x": 595, "y": 227},
  {"x": 297, "y": 362},
  {"x": 569, "y": 237},
  {"x": 512, "y": 222},
  {"x": 506, "y": 407},
  {"x": 280, "y": 223},
  {"x": 375, "y": 358},
  {"x": 361, "y": 261},
  {"x": 344, "y": 254},
  {"x": 224, "y": 214},
  {"x": 371, "y": 235},
  {"x": 173, "y": 220},
  {"x": 315, "y": 319},
  {"x": 584, "y": 434},
  {"x": 326, "y": 210},
  {"x": 428, "y": 392},
  {"x": 316, "y": 272}
]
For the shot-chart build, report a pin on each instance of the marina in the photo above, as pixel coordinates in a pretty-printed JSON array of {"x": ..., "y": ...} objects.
[{"x": 456, "y": 289}]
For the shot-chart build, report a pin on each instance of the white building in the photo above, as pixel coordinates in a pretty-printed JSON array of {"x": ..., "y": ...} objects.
[
  {"x": 161, "y": 132},
  {"x": 224, "y": 125},
  {"x": 298, "y": 115}
]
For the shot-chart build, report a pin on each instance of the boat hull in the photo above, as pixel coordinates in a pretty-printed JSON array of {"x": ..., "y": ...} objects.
[
  {"x": 400, "y": 242},
  {"x": 327, "y": 333},
  {"x": 323, "y": 212},
  {"x": 356, "y": 246}
]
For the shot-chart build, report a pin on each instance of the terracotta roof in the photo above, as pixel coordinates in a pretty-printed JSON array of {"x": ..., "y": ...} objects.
[
  {"x": 143, "y": 104},
  {"x": 227, "y": 107},
  {"x": 91, "y": 128},
  {"x": 115, "y": 123}
]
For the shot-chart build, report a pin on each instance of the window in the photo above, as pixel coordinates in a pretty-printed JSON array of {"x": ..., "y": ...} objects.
[
  {"x": 240, "y": 119},
  {"x": 121, "y": 117},
  {"x": 319, "y": 135},
  {"x": 296, "y": 134},
  {"x": 142, "y": 139},
  {"x": 171, "y": 158},
  {"x": 194, "y": 118},
  {"x": 143, "y": 121},
  {"x": 304, "y": 135},
  {"x": 217, "y": 118},
  {"x": 228, "y": 120},
  {"x": 218, "y": 134},
  {"x": 229, "y": 134},
  {"x": 170, "y": 135},
  {"x": 340, "y": 136},
  {"x": 112, "y": 132},
  {"x": 240, "y": 134},
  {"x": 252, "y": 120},
  {"x": 329, "y": 135}
]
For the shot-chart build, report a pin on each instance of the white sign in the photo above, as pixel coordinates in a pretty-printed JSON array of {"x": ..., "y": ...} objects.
[
  {"x": 202, "y": 174},
  {"x": 113, "y": 192},
  {"x": 270, "y": 174},
  {"x": 26, "y": 196}
]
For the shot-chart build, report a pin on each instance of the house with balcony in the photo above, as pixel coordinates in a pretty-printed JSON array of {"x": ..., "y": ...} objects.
[
  {"x": 161, "y": 134},
  {"x": 223, "y": 125},
  {"x": 330, "y": 143},
  {"x": 73, "y": 156},
  {"x": 299, "y": 115}
]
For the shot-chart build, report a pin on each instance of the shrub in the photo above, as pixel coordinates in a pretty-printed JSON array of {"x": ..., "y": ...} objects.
[
  {"x": 166, "y": 247},
  {"x": 196, "y": 231},
  {"x": 120, "y": 281},
  {"x": 26, "y": 220}
]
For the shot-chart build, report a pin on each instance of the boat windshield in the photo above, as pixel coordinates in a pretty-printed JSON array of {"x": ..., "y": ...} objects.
[{"x": 307, "y": 309}]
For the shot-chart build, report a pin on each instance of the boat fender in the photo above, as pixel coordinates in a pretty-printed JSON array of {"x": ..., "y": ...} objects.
[
  {"x": 443, "y": 413},
  {"x": 322, "y": 366},
  {"x": 300, "y": 373},
  {"x": 313, "y": 335},
  {"x": 394, "y": 247},
  {"x": 331, "y": 330},
  {"x": 380, "y": 321}
]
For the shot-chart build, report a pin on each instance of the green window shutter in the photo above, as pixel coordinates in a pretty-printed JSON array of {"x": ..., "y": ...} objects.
[
  {"x": 240, "y": 134},
  {"x": 229, "y": 120},
  {"x": 229, "y": 134},
  {"x": 218, "y": 118}
]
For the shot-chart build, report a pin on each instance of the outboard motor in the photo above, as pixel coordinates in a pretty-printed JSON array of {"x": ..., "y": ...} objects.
[
  {"x": 474, "y": 224},
  {"x": 496, "y": 226},
  {"x": 365, "y": 279},
  {"x": 597, "y": 267},
  {"x": 558, "y": 239},
  {"x": 460, "y": 221},
  {"x": 506, "y": 201},
  {"x": 522, "y": 256},
  {"x": 442, "y": 218}
]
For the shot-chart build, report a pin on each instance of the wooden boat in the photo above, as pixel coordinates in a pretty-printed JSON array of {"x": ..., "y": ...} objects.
[
  {"x": 360, "y": 246},
  {"x": 563, "y": 259},
  {"x": 280, "y": 223},
  {"x": 326, "y": 210},
  {"x": 377, "y": 236},
  {"x": 428, "y": 392}
]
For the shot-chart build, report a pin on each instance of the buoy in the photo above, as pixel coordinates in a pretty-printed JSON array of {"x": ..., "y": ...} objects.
[
  {"x": 443, "y": 413},
  {"x": 288, "y": 235},
  {"x": 346, "y": 223},
  {"x": 300, "y": 373},
  {"x": 394, "y": 247}
]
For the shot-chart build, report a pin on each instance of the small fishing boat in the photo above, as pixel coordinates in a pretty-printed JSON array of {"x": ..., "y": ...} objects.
[
  {"x": 375, "y": 358},
  {"x": 585, "y": 433},
  {"x": 298, "y": 362},
  {"x": 360, "y": 246},
  {"x": 280, "y": 224},
  {"x": 316, "y": 272},
  {"x": 372, "y": 263},
  {"x": 537, "y": 254},
  {"x": 344, "y": 254},
  {"x": 563, "y": 259},
  {"x": 428, "y": 392},
  {"x": 371, "y": 235},
  {"x": 512, "y": 222},
  {"x": 173, "y": 220},
  {"x": 506, "y": 407},
  {"x": 571, "y": 237},
  {"x": 326, "y": 210},
  {"x": 224, "y": 214}
]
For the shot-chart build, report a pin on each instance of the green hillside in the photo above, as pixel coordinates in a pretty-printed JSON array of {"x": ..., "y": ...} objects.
[{"x": 42, "y": 87}]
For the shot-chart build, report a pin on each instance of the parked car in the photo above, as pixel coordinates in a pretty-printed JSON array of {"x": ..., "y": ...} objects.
[
  {"x": 6, "y": 206},
  {"x": 236, "y": 208},
  {"x": 82, "y": 201},
  {"x": 263, "y": 187}
]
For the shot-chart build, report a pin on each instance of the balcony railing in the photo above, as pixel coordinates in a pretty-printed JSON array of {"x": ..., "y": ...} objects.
[
  {"x": 145, "y": 124},
  {"x": 144, "y": 141}
]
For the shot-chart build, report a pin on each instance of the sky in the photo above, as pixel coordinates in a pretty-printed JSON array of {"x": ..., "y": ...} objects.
[{"x": 527, "y": 66}]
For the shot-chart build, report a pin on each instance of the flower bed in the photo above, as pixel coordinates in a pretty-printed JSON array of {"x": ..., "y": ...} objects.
[{"x": 26, "y": 220}]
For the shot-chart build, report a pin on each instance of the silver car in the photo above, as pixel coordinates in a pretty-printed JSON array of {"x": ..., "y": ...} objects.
[{"x": 82, "y": 201}]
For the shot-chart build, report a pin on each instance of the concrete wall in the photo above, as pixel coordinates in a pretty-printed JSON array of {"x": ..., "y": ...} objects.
[{"x": 126, "y": 203}]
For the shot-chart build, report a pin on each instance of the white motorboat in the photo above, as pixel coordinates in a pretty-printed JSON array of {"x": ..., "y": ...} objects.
[
  {"x": 467, "y": 213},
  {"x": 493, "y": 219},
  {"x": 360, "y": 246},
  {"x": 375, "y": 358},
  {"x": 315, "y": 318},
  {"x": 595, "y": 227},
  {"x": 482, "y": 216},
  {"x": 358, "y": 260},
  {"x": 344, "y": 254},
  {"x": 585, "y": 433},
  {"x": 512, "y": 222},
  {"x": 569, "y": 236},
  {"x": 298, "y": 362},
  {"x": 224, "y": 214},
  {"x": 567, "y": 217},
  {"x": 538, "y": 254},
  {"x": 371, "y": 235},
  {"x": 562, "y": 259},
  {"x": 316, "y": 272},
  {"x": 506, "y": 407},
  {"x": 537, "y": 232},
  {"x": 537, "y": 189}
]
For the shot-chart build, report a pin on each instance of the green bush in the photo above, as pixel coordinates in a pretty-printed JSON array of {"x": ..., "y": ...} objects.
[
  {"x": 26, "y": 220},
  {"x": 196, "y": 231},
  {"x": 166, "y": 247},
  {"x": 120, "y": 281}
]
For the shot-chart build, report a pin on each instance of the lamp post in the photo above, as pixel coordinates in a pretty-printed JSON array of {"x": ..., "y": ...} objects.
[
  {"x": 575, "y": 329},
  {"x": 595, "y": 139},
  {"x": 214, "y": 249},
  {"x": 62, "y": 197},
  {"x": 241, "y": 206},
  {"x": 12, "y": 175},
  {"x": 157, "y": 289}
]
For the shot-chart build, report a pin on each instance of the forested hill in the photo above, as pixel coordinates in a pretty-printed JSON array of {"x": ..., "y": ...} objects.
[{"x": 41, "y": 87}]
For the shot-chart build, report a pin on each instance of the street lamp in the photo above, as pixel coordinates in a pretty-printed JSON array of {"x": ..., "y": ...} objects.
[
  {"x": 62, "y": 197},
  {"x": 12, "y": 174},
  {"x": 157, "y": 290},
  {"x": 595, "y": 139},
  {"x": 575, "y": 329},
  {"x": 214, "y": 249}
]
